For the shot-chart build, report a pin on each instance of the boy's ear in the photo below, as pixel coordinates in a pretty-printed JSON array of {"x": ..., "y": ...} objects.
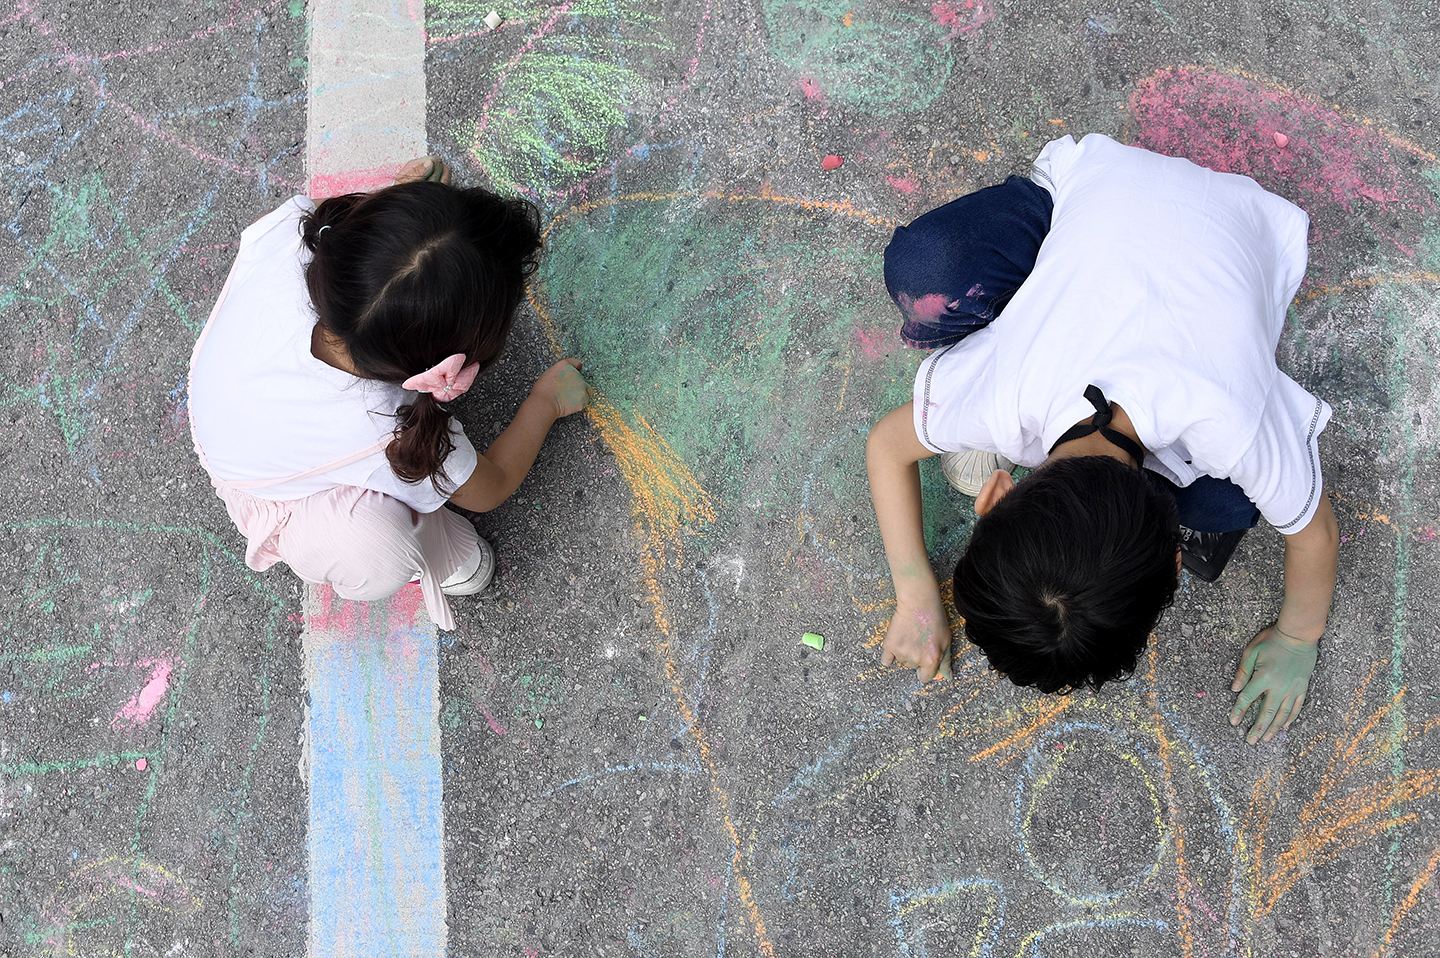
[{"x": 997, "y": 487}]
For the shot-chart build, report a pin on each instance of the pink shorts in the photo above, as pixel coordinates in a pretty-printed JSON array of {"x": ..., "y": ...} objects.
[{"x": 365, "y": 544}]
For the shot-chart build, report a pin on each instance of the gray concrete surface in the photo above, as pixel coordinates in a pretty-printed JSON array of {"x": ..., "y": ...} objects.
[{"x": 640, "y": 757}]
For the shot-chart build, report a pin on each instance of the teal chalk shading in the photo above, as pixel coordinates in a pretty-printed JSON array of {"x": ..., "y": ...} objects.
[{"x": 377, "y": 875}]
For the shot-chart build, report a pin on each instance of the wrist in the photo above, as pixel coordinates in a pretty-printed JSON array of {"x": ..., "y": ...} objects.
[
  {"x": 1311, "y": 637},
  {"x": 542, "y": 404}
]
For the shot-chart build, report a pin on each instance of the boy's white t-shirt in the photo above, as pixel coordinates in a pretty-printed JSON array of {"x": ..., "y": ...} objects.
[
  {"x": 1166, "y": 285},
  {"x": 264, "y": 407}
]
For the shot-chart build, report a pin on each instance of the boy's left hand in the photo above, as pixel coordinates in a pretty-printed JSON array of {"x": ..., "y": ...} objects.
[{"x": 1278, "y": 668}]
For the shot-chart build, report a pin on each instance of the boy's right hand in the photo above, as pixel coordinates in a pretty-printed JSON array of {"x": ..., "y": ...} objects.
[
  {"x": 563, "y": 385},
  {"x": 919, "y": 637}
]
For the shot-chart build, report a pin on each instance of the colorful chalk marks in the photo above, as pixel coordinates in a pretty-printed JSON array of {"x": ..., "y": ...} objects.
[
  {"x": 111, "y": 668},
  {"x": 567, "y": 85},
  {"x": 1230, "y": 122},
  {"x": 878, "y": 57}
]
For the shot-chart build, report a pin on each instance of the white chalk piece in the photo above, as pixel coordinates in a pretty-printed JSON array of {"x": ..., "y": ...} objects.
[{"x": 493, "y": 20}]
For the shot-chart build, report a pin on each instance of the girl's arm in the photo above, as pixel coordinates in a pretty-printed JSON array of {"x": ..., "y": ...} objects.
[
  {"x": 919, "y": 634},
  {"x": 559, "y": 391},
  {"x": 1279, "y": 661}
]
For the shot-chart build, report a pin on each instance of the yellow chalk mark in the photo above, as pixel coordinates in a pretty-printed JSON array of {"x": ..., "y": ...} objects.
[
  {"x": 1342, "y": 812},
  {"x": 1423, "y": 879},
  {"x": 1048, "y": 711},
  {"x": 1374, "y": 279},
  {"x": 666, "y": 492}
]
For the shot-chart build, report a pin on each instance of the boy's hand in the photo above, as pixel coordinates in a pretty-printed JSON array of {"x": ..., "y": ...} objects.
[
  {"x": 430, "y": 168},
  {"x": 1279, "y": 668},
  {"x": 919, "y": 638},
  {"x": 563, "y": 385}
]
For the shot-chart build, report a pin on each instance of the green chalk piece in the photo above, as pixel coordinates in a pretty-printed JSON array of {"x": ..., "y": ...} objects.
[
  {"x": 644, "y": 718},
  {"x": 539, "y": 721},
  {"x": 813, "y": 639}
]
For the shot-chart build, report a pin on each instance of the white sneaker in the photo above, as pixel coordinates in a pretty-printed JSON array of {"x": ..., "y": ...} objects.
[
  {"x": 474, "y": 575},
  {"x": 967, "y": 470}
]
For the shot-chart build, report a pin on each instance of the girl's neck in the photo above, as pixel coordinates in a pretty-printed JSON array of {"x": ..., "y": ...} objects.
[{"x": 331, "y": 351}]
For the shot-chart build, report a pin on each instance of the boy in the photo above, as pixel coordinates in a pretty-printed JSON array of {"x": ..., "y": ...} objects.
[{"x": 1133, "y": 369}]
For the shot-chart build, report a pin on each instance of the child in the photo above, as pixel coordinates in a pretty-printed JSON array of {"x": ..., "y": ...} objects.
[
  {"x": 1111, "y": 325},
  {"x": 318, "y": 388}
]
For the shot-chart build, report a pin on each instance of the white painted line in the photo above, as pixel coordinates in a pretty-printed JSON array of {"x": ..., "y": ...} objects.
[
  {"x": 372, "y": 735},
  {"x": 367, "y": 92}
]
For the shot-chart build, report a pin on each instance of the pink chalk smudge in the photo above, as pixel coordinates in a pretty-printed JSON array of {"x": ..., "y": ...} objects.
[
  {"x": 903, "y": 183},
  {"x": 812, "y": 90},
  {"x": 872, "y": 343},
  {"x": 927, "y": 308},
  {"x": 352, "y": 181},
  {"x": 495, "y": 726},
  {"x": 959, "y": 18},
  {"x": 138, "y": 710},
  {"x": 1229, "y": 123}
]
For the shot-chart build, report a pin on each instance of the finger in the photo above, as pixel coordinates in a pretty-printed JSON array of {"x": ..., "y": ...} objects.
[
  {"x": 1252, "y": 691},
  {"x": 572, "y": 361},
  {"x": 1247, "y": 665},
  {"x": 886, "y": 658},
  {"x": 1267, "y": 715},
  {"x": 946, "y": 672},
  {"x": 1277, "y": 724},
  {"x": 927, "y": 671},
  {"x": 1295, "y": 710}
]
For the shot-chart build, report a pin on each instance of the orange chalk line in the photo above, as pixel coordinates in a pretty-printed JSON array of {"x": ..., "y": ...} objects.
[
  {"x": 841, "y": 208},
  {"x": 1327, "y": 825},
  {"x": 667, "y": 494},
  {"x": 1177, "y": 829},
  {"x": 1361, "y": 282},
  {"x": 1421, "y": 880}
]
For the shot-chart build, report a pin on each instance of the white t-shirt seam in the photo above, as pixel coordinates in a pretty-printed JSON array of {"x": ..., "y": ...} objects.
[{"x": 1313, "y": 450}]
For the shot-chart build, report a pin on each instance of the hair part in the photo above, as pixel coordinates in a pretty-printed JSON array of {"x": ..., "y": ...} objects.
[
  {"x": 1067, "y": 576},
  {"x": 411, "y": 274}
]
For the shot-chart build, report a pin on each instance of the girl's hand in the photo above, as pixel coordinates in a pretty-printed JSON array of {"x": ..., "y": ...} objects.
[
  {"x": 430, "y": 168},
  {"x": 563, "y": 385},
  {"x": 919, "y": 637}
]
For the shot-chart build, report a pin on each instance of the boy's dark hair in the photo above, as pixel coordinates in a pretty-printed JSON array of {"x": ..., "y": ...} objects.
[
  {"x": 411, "y": 274},
  {"x": 1065, "y": 577}
]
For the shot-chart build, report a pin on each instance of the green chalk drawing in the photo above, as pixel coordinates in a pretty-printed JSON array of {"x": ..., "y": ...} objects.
[
  {"x": 65, "y": 308},
  {"x": 540, "y": 691},
  {"x": 878, "y": 57},
  {"x": 552, "y": 110},
  {"x": 751, "y": 338},
  {"x": 296, "y": 8}
]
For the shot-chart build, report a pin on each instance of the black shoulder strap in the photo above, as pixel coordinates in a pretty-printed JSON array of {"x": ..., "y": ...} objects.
[{"x": 1100, "y": 422}]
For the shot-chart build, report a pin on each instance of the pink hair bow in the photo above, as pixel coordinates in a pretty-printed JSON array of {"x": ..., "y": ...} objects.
[{"x": 446, "y": 379}]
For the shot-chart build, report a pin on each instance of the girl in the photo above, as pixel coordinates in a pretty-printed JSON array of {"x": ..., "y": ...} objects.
[{"x": 318, "y": 388}]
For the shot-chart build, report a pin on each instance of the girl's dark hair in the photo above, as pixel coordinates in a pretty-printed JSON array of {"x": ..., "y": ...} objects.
[
  {"x": 1065, "y": 577},
  {"x": 411, "y": 274}
]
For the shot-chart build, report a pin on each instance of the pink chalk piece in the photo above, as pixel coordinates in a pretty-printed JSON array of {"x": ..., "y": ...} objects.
[
  {"x": 140, "y": 764},
  {"x": 138, "y": 710},
  {"x": 1281, "y": 140},
  {"x": 832, "y": 162}
]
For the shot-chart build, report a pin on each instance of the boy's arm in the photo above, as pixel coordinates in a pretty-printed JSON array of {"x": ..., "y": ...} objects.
[
  {"x": 919, "y": 634},
  {"x": 1279, "y": 661},
  {"x": 559, "y": 391}
]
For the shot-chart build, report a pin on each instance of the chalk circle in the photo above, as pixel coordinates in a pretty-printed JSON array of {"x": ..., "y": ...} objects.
[
  {"x": 873, "y": 56},
  {"x": 1090, "y": 821}
]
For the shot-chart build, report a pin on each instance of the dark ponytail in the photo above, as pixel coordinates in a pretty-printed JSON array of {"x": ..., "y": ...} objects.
[{"x": 414, "y": 273}]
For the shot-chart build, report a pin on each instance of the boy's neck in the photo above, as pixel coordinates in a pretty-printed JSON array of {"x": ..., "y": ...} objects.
[{"x": 1096, "y": 444}]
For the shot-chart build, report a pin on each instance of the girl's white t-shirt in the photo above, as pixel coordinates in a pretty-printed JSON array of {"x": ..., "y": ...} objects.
[
  {"x": 1166, "y": 285},
  {"x": 264, "y": 407}
]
